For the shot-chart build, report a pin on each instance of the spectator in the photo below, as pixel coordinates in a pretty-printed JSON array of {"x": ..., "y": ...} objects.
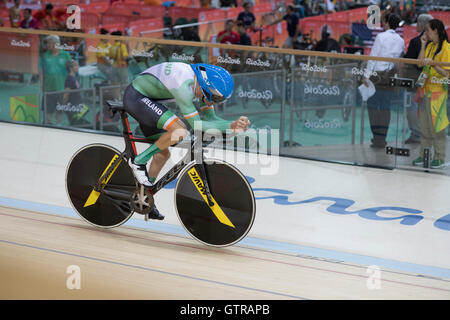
[
  {"x": 119, "y": 54},
  {"x": 190, "y": 33},
  {"x": 433, "y": 107},
  {"x": 292, "y": 26},
  {"x": 301, "y": 7},
  {"x": 387, "y": 44},
  {"x": 228, "y": 36},
  {"x": 29, "y": 22},
  {"x": 14, "y": 14},
  {"x": 53, "y": 75},
  {"x": 412, "y": 71},
  {"x": 77, "y": 109},
  {"x": 330, "y": 7},
  {"x": 205, "y": 4},
  {"x": 317, "y": 9},
  {"x": 60, "y": 18},
  {"x": 46, "y": 18},
  {"x": 247, "y": 17},
  {"x": 228, "y": 3},
  {"x": 327, "y": 44},
  {"x": 104, "y": 61},
  {"x": 243, "y": 36}
]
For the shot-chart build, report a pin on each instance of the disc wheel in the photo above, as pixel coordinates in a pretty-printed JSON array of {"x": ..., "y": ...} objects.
[
  {"x": 111, "y": 207},
  {"x": 232, "y": 215}
]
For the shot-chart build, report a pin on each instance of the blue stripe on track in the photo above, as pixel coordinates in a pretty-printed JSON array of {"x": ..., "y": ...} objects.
[{"x": 251, "y": 242}]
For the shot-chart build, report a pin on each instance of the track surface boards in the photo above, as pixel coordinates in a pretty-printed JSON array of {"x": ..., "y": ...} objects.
[{"x": 36, "y": 250}]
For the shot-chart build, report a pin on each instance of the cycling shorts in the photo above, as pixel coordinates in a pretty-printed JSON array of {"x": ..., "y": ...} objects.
[{"x": 153, "y": 117}]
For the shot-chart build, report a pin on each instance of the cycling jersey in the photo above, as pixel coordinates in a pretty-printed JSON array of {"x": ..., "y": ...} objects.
[{"x": 168, "y": 81}]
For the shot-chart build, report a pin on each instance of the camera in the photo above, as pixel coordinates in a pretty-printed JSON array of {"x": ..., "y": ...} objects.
[{"x": 401, "y": 82}]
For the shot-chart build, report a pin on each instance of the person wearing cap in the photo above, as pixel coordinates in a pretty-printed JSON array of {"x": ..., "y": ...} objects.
[{"x": 184, "y": 84}]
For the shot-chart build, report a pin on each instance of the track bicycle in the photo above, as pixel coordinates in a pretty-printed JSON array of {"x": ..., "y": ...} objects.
[{"x": 213, "y": 200}]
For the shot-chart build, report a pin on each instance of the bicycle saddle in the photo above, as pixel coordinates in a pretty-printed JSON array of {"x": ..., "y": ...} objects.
[{"x": 114, "y": 106}]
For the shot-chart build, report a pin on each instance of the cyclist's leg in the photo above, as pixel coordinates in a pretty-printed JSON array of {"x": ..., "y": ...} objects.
[
  {"x": 176, "y": 132},
  {"x": 153, "y": 118}
]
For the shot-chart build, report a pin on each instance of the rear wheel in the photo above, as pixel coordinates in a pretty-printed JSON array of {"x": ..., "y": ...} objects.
[
  {"x": 230, "y": 218},
  {"x": 111, "y": 207}
]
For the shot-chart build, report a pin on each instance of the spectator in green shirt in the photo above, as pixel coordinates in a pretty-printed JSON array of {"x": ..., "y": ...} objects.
[{"x": 53, "y": 73}]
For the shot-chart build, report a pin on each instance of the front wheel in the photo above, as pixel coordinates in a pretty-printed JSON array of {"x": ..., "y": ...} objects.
[{"x": 230, "y": 218}]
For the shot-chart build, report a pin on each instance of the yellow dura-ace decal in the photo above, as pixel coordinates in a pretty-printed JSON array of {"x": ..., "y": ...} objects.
[
  {"x": 95, "y": 194},
  {"x": 218, "y": 212}
]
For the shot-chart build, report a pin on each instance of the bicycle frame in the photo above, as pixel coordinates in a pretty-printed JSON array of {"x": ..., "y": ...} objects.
[{"x": 130, "y": 151}]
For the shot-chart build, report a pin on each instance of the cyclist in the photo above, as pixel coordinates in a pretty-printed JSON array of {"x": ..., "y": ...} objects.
[{"x": 184, "y": 83}]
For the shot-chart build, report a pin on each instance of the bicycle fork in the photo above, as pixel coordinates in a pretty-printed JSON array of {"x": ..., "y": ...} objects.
[{"x": 204, "y": 176}]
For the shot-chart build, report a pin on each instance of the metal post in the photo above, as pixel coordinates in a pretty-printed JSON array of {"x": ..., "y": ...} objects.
[
  {"x": 45, "y": 107},
  {"x": 363, "y": 106},
  {"x": 354, "y": 119},
  {"x": 101, "y": 107},
  {"x": 93, "y": 115},
  {"x": 283, "y": 105},
  {"x": 291, "y": 107}
]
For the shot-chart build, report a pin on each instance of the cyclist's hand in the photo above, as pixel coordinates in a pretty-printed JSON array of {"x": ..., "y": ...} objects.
[{"x": 240, "y": 125}]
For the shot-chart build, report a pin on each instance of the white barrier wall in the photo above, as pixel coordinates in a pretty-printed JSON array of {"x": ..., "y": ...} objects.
[{"x": 398, "y": 215}]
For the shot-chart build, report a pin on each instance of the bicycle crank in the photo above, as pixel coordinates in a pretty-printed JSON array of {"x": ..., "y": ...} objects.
[{"x": 142, "y": 201}]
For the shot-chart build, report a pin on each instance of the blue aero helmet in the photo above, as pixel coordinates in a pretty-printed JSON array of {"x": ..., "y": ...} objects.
[{"x": 216, "y": 83}]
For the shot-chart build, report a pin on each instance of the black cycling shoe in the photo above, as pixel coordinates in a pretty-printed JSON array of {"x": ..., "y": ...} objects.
[{"x": 154, "y": 214}]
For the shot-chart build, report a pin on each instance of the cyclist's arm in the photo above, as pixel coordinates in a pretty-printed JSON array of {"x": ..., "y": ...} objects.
[
  {"x": 207, "y": 123},
  {"x": 184, "y": 98},
  {"x": 209, "y": 114}
]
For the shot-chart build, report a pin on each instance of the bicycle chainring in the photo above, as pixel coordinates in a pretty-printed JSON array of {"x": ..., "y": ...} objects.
[{"x": 142, "y": 201}]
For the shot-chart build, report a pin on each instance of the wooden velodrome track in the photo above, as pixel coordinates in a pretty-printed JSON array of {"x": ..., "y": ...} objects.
[{"x": 36, "y": 250}]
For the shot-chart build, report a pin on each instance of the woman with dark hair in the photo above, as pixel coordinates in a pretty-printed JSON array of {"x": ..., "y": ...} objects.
[
  {"x": 433, "y": 100},
  {"x": 387, "y": 44}
]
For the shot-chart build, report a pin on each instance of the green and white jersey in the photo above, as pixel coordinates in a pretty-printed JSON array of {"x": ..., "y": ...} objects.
[{"x": 175, "y": 80}]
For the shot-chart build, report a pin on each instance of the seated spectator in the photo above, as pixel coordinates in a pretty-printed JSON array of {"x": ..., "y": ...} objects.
[
  {"x": 317, "y": 9},
  {"x": 14, "y": 14},
  {"x": 247, "y": 17},
  {"x": 189, "y": 34},
  {"x": 46, "y": 18},
  {"x": 205, "y": 4},
  {"x": 153, "y": 2},
  {"x": 61, "y": 17},
  {"x": 327, "y": 44},
  {"x": 28, "y": 22},
  {"x": 330, "y": 6},
  {"x": 244, "y": 38},
  {"x": 228, "y": 36},
  {"x": 228, "y": 3}
]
